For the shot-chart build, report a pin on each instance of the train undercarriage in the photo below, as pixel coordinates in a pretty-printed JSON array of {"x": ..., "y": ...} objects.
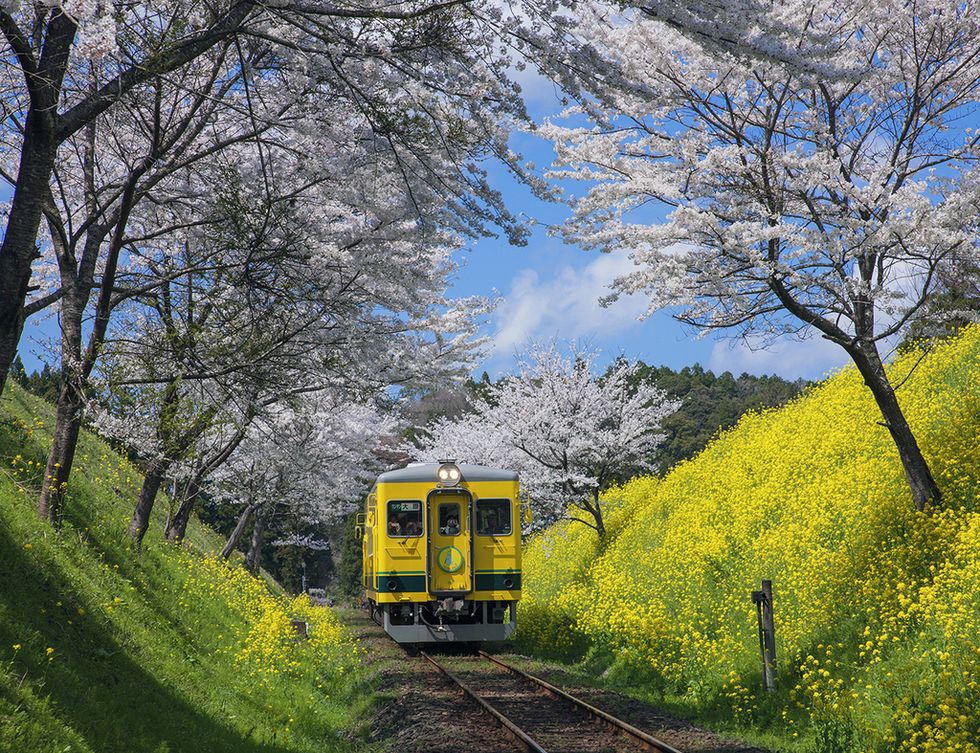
[{"x": 447, "y": 620}]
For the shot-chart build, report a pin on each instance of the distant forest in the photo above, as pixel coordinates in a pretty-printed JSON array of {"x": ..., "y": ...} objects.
[
  {"x": 44, "y": 383},
  {"x": 710, "y": 403}
]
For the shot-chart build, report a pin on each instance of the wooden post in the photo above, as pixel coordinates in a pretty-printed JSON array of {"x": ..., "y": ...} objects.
[{"x": 767, "y": 634}]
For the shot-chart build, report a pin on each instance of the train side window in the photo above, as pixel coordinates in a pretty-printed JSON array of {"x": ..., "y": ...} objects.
[
  {"x": 493, "y": 517},
  {"x": 449, "y": 519},
  {"x": 404, "y": 518}
]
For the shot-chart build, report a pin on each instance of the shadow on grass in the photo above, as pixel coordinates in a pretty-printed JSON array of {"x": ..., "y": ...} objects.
[{"x": 95, "y": 686}]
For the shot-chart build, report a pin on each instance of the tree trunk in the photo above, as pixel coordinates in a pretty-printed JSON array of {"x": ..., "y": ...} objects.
[
  {"x": 600, "y": 527},
  {"x": 154, "y": 473},
  {"x": 177, "y": 525},
  {"x": 254, "y": 557},
  {"x": 148, "y": 494},
  {"x": 19, "y": 247},
  {"x": 37, "y": 156},
  {"x": 68, "y": 417},
  {"x": 925, "y": 491},
  {"x": 236, "y": 535},
  {"x": 68, "y": 423}
]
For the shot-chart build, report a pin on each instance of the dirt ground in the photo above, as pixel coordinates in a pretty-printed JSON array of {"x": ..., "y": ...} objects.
[{"x": 420, "y": 710}]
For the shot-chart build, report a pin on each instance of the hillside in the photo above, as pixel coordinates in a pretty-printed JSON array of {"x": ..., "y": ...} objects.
[
  {"x": 877, "y": 607},
  {"x": 165, "y": 650},
  {"x": 709, "y": 403}
]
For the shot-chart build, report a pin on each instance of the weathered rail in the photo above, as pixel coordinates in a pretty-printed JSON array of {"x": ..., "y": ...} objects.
[
  {"x": 637, "y": 737},
  {"x": 519, "y": 735},
  {"x": 643, "y": 739}
]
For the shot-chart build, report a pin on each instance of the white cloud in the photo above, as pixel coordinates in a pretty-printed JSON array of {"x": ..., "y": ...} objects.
[
  {"x": 564, "y": 306},
  {"x": 790, "y": 358}
]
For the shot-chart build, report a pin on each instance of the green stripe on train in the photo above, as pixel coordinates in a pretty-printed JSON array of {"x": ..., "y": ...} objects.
[
  {"x": 400, "y": 572},
  {"x": 400, "y": 583},
  {"x": 498, "y": 581}
]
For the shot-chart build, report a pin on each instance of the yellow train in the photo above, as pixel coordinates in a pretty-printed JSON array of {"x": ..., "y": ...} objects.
[{"x": 441, "y": 552}]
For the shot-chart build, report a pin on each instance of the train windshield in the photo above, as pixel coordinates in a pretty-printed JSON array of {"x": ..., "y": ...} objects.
[
  {"x": 405, "y": 518},
  {"x": 493, "y": 517},
  {"x": 449, "y": 519}
]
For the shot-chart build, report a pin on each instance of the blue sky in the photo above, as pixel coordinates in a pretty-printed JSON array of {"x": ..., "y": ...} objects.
[{"x": 549, "y": 289}]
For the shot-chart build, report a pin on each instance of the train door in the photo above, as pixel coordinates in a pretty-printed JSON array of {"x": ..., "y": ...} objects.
[
  {"x": 367, "y": 561},
  {"x": 450, "y": 553}
]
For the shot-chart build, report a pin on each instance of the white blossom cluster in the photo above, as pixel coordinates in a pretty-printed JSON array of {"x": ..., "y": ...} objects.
[
  {"x": 791, "y": 193},
  {"x": 316, "y": 459},
  {"x": 567, "y": 432}
]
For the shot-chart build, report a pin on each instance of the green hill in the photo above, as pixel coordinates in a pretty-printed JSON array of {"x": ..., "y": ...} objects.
[
  {"x": 877, "y": 606},
  {"x": 103, "y": 649}
]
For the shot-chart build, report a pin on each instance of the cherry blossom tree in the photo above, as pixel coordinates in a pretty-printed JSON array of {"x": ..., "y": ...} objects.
[
  {"x": 568, "y": 433},
  {"x": 138, "y": 186},
  {"x": 797, "y": 203},
  {"x": 108, "y": 171},
  {"x": 260, "y": 304},
  {"x": 315, "y": 458},
  {"x": 424, "y": 80}
]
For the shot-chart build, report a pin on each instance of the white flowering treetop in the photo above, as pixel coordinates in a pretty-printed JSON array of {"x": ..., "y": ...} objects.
[
  {"x": 568, "y": 433},
  {"x": 316, "y": 457},
  {"x": 425, "y": 83},
  {"x": 795, "y": 202}
]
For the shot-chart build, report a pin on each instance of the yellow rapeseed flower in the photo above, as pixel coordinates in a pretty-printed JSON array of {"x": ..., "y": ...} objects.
[{"x": 871, "y": 595}]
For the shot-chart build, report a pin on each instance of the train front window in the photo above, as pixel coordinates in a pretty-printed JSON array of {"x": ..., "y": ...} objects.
[
  {"x": 449, "y": 519},
  {"x": 404, "y": 518},
  {"x": 493, "y": 517}
]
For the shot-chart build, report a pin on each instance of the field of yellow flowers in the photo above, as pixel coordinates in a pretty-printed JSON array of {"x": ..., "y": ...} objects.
[
  {"x": 169, "y": 650},
  {"x": 877, "y": 606},
  {"x": 263, "y": 643}
]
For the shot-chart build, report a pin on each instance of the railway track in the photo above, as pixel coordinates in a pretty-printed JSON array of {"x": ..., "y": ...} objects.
[{"x": 540, "y": 717}]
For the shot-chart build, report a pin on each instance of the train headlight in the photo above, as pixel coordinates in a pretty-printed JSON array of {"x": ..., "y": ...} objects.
[{"x": 448, "y": 473}]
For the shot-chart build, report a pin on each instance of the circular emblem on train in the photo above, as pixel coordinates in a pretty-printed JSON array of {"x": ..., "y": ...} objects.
[{"x": 450, "y": 559}]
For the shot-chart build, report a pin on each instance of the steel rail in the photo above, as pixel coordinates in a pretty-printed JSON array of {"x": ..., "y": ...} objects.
[
  {"x": 647, "y": 741},
  {"x": 512, "y": 729}
]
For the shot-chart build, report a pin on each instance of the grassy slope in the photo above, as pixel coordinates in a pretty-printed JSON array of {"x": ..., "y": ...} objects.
[
  {"x": 103, "y": 650},
  {"x": 877, "y": 607}
]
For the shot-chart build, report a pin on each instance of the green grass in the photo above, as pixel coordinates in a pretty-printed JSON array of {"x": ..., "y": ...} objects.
[{"x": 102, "y": 650}]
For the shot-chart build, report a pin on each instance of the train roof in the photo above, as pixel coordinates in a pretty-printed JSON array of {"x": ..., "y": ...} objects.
[{"x": 426, "y": 473}]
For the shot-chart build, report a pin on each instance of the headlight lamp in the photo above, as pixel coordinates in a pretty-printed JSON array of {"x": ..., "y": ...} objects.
[{"x": 448, "y": 473}]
